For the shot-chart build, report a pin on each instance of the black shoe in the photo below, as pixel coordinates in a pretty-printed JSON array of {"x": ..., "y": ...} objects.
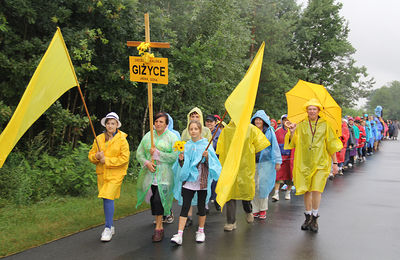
[
  {"x": 314, "y": 224},
  {"x": 306, "y": 224},
  {"x": 189, "y": 222}
]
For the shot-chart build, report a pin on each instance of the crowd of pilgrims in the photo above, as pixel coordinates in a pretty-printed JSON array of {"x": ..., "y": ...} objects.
[{"x": 190, "y": 177}]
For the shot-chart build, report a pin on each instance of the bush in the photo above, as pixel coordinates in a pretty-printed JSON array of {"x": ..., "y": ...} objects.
[{"x": 24, "y": 180}]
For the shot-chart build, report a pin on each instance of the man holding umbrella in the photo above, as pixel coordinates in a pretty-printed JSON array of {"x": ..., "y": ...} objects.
[{"x": 316, "y": 145}]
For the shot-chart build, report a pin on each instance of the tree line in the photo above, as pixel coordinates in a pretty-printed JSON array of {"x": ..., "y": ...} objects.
[{"x": 212, "y": 45}]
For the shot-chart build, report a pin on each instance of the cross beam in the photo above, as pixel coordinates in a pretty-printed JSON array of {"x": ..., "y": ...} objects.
[{"x": 149, "y": 85}]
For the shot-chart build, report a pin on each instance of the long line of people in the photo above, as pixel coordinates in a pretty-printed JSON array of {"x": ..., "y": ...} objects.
[{"x": 191, "y": 176}]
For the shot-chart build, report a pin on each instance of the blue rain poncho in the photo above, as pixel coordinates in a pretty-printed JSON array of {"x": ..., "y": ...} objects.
[
  {"x": 371, "y": 139},
  {"x": 379, "y": 128},
  {"x": 171, "y": 127},
  {"x": 269, "y": 157},
  {"x": 189, "y": 172},
  {"x": 367, "y": 128}
]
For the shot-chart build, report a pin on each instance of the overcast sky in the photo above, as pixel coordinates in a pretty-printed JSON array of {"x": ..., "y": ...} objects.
[{"x": 375, "y": 34}]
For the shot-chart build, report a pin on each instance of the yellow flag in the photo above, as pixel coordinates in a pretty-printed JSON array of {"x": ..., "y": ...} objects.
[
  {"x": 239, "y": 105},
  {"x": 52, "y": 78}
]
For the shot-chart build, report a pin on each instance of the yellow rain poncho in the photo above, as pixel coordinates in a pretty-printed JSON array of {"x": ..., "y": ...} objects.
[
  {"x": 205, "y": 132},
  {"x": 112, "y": 172},
  {"x": 312, "y": 157},
  {"x": 256, "y": 141}
]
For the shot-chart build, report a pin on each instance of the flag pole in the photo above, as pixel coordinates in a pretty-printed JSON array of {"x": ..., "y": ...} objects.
[
  {"x": 79, "y": 88},
  {"x": 218, "y": 127},
  {"x": 90, "y": 120}
]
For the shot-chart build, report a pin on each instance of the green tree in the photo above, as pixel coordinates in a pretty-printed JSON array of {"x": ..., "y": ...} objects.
[
  {"x": 274, "y": 22},
  {"x": 388, "y": 97},
  {"x": 324, "y": 54}
]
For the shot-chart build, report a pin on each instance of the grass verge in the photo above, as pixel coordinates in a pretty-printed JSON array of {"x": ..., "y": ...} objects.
[{"x": 23, "y": 227}]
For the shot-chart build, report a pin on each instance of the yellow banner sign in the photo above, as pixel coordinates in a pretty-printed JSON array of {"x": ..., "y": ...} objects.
[{"x": 155, "y": 71}]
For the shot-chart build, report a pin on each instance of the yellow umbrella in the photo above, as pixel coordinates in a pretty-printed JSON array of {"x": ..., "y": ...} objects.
[{"x": 302, "y": 93}]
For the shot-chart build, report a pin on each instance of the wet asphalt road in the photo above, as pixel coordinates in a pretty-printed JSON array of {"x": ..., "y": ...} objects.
[{"x": 360, "y": 215}]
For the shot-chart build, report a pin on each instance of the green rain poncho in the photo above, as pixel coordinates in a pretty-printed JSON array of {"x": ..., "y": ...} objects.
[
  {"x": 312, "y": 157},
  {"x": 163, "y": 173}
]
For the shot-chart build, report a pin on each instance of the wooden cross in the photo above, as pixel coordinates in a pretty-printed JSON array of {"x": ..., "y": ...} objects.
[{"x": 149, "y": 84}]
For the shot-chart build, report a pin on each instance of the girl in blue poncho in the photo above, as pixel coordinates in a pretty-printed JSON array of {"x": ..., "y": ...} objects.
[
  {"x": 195, "y": 170},
  {"x": 268, "y": 161}
]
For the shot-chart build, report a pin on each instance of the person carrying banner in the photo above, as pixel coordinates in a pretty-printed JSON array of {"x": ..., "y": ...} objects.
[
  {"x": 244, "y": 185},
  {"x": 195, "y": 170},
  {"x": 156, "y": 179},
  {"x": 111, "y": 165}
]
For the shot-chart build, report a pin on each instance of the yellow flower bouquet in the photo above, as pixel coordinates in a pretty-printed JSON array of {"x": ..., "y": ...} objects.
[{"x": 179, "y": 146}]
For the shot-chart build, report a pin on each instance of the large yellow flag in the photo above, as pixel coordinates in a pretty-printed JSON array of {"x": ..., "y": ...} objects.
[
  {"x": 52, "y": 78},
  {"x": 239, "y": 105}
]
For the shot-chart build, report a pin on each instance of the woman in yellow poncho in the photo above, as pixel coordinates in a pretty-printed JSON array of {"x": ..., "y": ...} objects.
[
  {"x": 316, "y": 146},
  {"x": 111, "y": 166}
]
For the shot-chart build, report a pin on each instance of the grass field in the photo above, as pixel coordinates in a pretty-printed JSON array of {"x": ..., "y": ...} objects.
[{"x": 23, "y": 227}]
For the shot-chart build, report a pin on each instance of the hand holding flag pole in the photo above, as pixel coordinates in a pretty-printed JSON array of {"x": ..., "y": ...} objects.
[{"x": 218, "y": 127}]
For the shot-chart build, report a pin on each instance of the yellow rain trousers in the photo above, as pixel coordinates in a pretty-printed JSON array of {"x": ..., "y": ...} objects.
[
  {"x": 312, "y": 157},
  {"x": 112, "y": 172},
  {"x": 243, "y": 186}
]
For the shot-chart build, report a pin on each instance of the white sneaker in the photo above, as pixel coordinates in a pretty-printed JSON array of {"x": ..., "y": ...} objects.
[
  {"x": 106, "y": 235},
  {"x": 287, "y": 195},
  {"x": 112, "y": 230},
  {"x": 177, "y": 239},
  {"x": 275, "y": 197},
  {"x": 350, "y": 165},
  {"x": 200, "y": 237}
]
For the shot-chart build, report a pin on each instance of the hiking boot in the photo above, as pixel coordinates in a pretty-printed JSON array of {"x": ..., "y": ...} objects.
[
  {"x": 263, "y": 214},
  {"x": 189, "y": 222},
  {"x": 287, "y": 195},
  {"x": 314, "y": 224},
  {"x": 177, "y": 239},
  {"x": 229, "y": 227},
  {"x": 200, "y": 237},
  {"x": 249, "y": 217},
  {"x": 106, "y": 235},
  {"x": 306, "y": 224},
  {"x": 158, "y": 235},
  {"x": 275, "y": 198}
]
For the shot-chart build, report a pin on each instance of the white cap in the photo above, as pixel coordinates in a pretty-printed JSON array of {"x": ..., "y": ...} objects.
[{"x": 112, "y": 115}]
